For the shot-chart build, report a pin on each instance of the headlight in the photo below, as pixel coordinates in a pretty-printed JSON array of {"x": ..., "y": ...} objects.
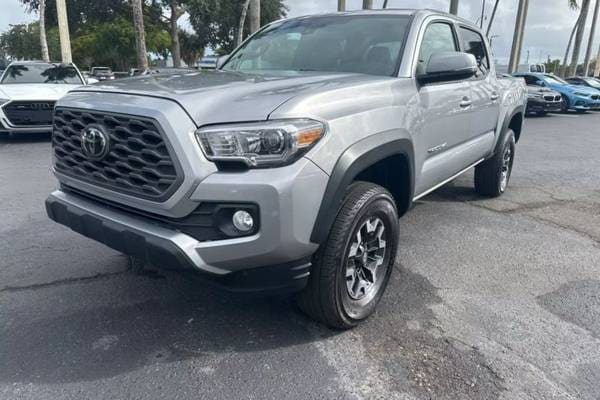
[
  {"x": 581, "y": 94},
  {"x": 263, "y": 144}
]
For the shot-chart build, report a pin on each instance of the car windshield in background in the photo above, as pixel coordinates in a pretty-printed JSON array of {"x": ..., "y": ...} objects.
[
  {"x": 359, "y": 43},
  {"x": 555, "y": 80},
  {"x": 41, "y": 73}
]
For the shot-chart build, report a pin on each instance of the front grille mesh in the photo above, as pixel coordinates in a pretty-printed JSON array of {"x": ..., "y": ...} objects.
[
  {"x": 29, "y": 113},
  {"x": 138, "y": 162}
]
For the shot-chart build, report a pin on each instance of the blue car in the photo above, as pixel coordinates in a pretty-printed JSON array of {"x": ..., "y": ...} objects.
[{"x": 578, "y": 98}]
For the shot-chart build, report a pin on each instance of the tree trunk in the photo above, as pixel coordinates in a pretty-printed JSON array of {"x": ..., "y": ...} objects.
[
  {"x": 43, "y": 41},
  {"x": 175, "y": 47},
  {"x": 564, "y": 68},
  {"x": 585, "y": 6},
  {"x": 140, "y": 34},
  {"x": 588, "y": 53},
  {"x": 385, "y": 4},
  {"x": 341, "y": 5},
  {"x": 240, "y": 32},
  {"x": 254, "y": 15},
  {"x": 597, "y": 71},
  {"x": 367, "y": 4}
]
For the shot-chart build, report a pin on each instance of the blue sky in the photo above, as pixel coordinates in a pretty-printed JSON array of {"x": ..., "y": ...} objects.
[{"x": 548, "y": 25}]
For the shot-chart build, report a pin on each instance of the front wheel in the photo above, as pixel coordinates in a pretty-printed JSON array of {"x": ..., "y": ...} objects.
[
  {"x": 352, "y": 268},
  {"x": 493, "y": 175}
]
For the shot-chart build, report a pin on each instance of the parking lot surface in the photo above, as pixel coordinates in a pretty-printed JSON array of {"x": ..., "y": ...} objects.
[{"x": 491, "y": 299}]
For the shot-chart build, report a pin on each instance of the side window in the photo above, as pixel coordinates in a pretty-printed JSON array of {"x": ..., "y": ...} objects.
[
  {"x": 438, "y": 38},
  {"x": 531, "y": 80},
  {"x": 473, "y": 43}
]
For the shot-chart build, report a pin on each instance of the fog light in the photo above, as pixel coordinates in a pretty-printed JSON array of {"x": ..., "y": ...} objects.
[{"x": 243, "y": 221}]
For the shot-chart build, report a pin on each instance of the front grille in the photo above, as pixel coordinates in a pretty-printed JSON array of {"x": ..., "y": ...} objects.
[
  {"x": 29, "y": 113},
  {"x": 138, "y": 161}
]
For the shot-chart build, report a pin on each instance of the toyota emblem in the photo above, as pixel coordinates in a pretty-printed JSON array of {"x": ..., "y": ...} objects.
[{"x": 94, "y": 142}]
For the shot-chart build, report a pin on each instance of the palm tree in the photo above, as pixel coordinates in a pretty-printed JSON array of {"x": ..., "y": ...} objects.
[
  {"x": 573, "y": 5},
  {"x": 43, "y": 40},
  {"x": 585, "y": 7},
  {"x": 254, "y": 15},
  {"x": 341, "y": 5},
  {"x": 240, "y": 31},
  {"x": 140, "y": 34},
  {"x": 588, "y": 53},
  {"x": 176, "y": 13}
]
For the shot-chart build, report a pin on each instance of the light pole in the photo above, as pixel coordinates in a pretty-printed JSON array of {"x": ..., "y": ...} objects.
[
  {"x": 63, "y": 29},
  {"x": 482, "y": 14},
  {"x": 454, "y": 7},
  {"x": 515, "y": 54}
]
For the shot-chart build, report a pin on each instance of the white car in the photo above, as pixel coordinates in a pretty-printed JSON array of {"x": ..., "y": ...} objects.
[{"x": 28, "y": 92}]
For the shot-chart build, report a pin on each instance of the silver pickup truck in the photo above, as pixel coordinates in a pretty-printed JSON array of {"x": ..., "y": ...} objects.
[{"x": 288, "y": 167}]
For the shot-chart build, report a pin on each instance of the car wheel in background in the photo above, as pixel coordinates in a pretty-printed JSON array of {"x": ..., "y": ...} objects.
[
  {"x": 492, "y": 176},
  {"x": 352, "y": 268}
]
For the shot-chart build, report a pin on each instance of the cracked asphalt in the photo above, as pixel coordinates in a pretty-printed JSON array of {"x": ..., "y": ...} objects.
[{"x": 491, "y": 299}]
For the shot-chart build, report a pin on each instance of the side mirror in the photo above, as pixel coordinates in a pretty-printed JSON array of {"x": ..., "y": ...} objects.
[
  {"x": 449, "y": 66},
  {"x": 222, "y": 60}
]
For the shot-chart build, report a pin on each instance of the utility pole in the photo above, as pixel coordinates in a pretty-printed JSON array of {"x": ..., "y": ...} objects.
[
  {"x": 588, "y": 53},
  {"x": 63, "y": 29},
  {"x": 254, "y": 14},
  {"x": 454, "y": 7},
  {"x": 515, "y": 54},
  {"x": 341, "y": 5},
  {"x": 367, "y": 4}
]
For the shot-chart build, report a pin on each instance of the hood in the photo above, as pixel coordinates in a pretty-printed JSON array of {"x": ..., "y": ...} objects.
[
  {"x": 533, "y": 89},
  {"x": 35, "y": 91},
  {"x": 220, "y": 96},
  {"x": 573, "y": 88}
]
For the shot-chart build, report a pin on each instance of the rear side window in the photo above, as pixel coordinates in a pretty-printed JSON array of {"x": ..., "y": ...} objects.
[
  {"x": 473, "y": 43},
  {"x": 438, "y": 38}
]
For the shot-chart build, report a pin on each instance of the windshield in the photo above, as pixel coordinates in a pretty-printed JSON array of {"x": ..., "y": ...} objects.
[
  {"x": 593, "y": 83},
  {"x": 555, "y": 80},
  {"x": 41, "y": 73},
  {"x": 357, "y": 43}
]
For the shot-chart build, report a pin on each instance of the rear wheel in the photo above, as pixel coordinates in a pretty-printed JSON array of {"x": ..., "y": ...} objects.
[
  {"x": 352, "y": 268},
  {"x": 493, "y": 175}
]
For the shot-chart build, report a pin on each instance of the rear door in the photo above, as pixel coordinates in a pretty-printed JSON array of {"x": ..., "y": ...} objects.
[
  {"x": 485, "y": 95},
  {"x": 446, "y": 112}
]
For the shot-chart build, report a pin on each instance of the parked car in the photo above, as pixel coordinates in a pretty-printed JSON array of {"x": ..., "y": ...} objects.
[
  {"x": 102, "y": 73},
  {"x": 209, "y": 62},
  {"x": 591, "y": 83},
  {"x": 542, "y": 100},
  {"x": 28, "y": 92},
  {"x": 578, "y": 98},
  {"x": 288, "y": 168}
]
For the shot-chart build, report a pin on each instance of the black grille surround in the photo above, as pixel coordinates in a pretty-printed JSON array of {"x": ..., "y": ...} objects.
[
  {"x": 29, "y": 113},
  {"x": 139, "y": 162}
]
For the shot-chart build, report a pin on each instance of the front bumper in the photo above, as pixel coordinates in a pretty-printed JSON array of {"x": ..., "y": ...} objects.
[
  {"x": 166, "y": 248},
  {"x": 6, "y": 126},
  {"x": 537, "y": 105}
]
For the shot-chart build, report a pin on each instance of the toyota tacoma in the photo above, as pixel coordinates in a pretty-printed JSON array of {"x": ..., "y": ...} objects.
[{"x": 288, "y": 167}]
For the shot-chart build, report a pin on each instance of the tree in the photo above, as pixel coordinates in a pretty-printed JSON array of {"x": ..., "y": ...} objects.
[
  {"x": 240, "y": 30},
  {"x": 573, "y": 5},
  {"x": 140, "y": 34},
  {"x": 43, "y": 39},
  {"x": 218, "y": 20},
  {"x": 177, "y": 10},
  {"x": 22, "y": 41},
  {"x": 585, "y": 6},
  {"x": 192, "y": 47},
  {"x": 588, "y": 53}
]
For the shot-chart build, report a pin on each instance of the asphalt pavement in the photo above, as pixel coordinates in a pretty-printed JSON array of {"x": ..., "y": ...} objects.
[{"x": 491, "y": 299}]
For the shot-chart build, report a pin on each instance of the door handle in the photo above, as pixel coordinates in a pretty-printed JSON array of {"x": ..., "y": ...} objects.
[
  {"x": 466, "y": 102},
  {"x": 495, "y": 96}
]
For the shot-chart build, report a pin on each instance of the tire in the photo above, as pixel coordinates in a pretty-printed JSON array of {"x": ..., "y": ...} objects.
[
  {"x": 341, "y": 290},
  {"x": 542, "y": 113},
  {"x": 493, "y": 175},
  {"x": 564, "y": 107}
]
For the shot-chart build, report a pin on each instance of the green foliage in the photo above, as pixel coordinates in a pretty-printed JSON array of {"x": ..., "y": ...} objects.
[
  {"x": 112, "y": 43},
  {"x": 22, "y": 41},
  {"x": 217, "y": 20},
  {"x": 192, "y": 47}
]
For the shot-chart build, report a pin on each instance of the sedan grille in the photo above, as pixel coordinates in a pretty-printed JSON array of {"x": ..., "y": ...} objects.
[
  {"x": 29, "y": 113},
  {"x": 137, "y": 161},
  {"x": 552, "y": 98}
]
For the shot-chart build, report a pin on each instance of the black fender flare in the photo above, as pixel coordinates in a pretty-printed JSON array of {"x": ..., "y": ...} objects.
[
  {"x": 352, "y": 162},
  {"x": 505, "y": 126}
]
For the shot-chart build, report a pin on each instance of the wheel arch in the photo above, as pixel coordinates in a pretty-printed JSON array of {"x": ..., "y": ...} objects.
[{"x": 377, "y": 159}]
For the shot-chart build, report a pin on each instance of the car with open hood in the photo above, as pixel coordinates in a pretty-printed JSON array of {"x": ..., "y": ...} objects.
[{"x": 29, "y": 91}]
